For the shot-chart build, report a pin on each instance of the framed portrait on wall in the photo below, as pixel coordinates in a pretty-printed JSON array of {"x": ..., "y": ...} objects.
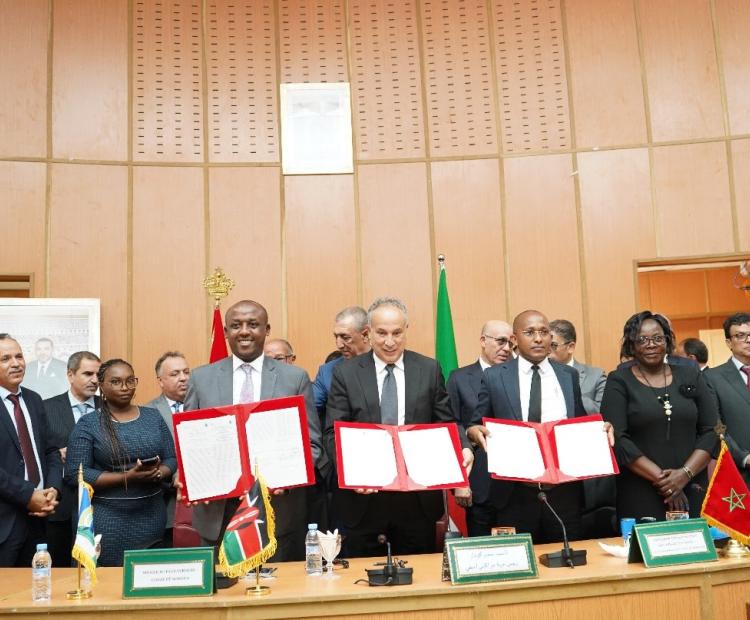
[{"x": 50, "y": 330}]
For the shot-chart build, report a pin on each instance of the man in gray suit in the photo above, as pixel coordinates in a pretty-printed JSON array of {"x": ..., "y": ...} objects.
[
  {"x": 247, "y": 376},
  {"x": 592, "y": 380},
  {"x": 730, "y": 383}
]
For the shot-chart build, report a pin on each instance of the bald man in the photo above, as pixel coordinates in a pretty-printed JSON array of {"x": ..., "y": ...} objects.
[
  {"x": 495, "y": 347},
  {"x": 280, "y": 350}
]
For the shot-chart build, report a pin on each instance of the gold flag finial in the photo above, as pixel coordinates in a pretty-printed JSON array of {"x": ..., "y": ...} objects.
[{"x": 218, "y": 285}]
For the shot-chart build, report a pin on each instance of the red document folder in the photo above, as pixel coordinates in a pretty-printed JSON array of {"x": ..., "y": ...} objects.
[
  {"x": 402, "y": 482},
  {"x": 242, "y": 413},
  {"x": 545, "y": 433}
]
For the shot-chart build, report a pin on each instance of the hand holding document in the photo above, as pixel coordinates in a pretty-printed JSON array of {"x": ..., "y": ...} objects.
[{"x": 553, "y": 452}]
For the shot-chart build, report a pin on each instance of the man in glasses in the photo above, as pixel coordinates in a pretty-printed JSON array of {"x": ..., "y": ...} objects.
[
  {"x": 495, "y": 347},
  {"x": 280, "y": 350}
]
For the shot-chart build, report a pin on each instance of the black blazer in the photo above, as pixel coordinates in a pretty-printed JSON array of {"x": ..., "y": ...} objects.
[
  {"x": 354, "y": 398},
  {"x": 60, "y": 423},
  {"x": 15, "y": 490},
  {"x": 733, "y": 399},
  {"x": 500, "y": 397}
]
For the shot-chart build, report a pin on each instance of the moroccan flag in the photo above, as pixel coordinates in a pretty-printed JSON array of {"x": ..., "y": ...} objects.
[
  {"x": 218, "y": 343},
  {"x": 85, "y": 545},
  {"x": 445, "y": 352},
  {"x": 250, "y": 538},
  {"x": 727, "y": 503}
]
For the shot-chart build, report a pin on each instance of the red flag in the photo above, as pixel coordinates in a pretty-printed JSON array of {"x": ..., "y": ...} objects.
[
  {"x": 456, "y": 515},
  {"x": 727, "y": 503},
  {"x": 218, "y": 344}
]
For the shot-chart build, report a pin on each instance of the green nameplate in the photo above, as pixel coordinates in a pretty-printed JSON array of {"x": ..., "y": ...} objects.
[
  {"x": 664, "y": 543},
  {"x": 491, "y": 558},
  {"x": 168, "y": 572}
]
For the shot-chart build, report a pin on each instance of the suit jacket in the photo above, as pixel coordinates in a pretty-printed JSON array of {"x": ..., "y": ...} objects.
[
  {"x": 500, "y": 397},
  {"x": 592, "y": 381},
  {"x": 60, "y": 422},
  {"x": 162, "y": 406},
  {"x": 354, "y": 398},
  {"x": 15, "y": 490},
  {"x": 322, "y": 384},
  {"x": 211, "y": 386},
  {"x": 733, "y": 399},
  {"x": 54, "y": 382},
  {"x": 463, "y": 388}
]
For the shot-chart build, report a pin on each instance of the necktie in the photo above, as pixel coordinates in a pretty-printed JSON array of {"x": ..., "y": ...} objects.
[
  {"x": 389, "y": 398},
  {"x": 746, "y": 370},
  {"x": 535, "y": 395},
  {"x": 247, "y": 393},
  {"x": 82, "y": 409},
  {"x": 176, "y": 406},
  {"x": 24, "y": 439}
]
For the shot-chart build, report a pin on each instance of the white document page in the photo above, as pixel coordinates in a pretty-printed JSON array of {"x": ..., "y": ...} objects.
[
  {"x": 430, "y": 457},
  {"x": 274, "y": 440},
  {"x": 369, "y": 459},
  {"x": 513, "y": 451},
  {"x": 583, "y": 449},
  {"x": 211, "y": 463}
]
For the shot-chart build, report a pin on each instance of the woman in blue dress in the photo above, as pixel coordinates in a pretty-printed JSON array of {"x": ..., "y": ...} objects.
[{"x": 127, "y": 455}]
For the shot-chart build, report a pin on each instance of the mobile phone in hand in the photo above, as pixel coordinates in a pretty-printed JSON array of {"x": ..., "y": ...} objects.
[{"x": 150, "y": 462}]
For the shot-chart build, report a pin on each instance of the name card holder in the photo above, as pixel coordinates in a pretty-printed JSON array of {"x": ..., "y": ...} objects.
[
  {"x": 168, "y": 572},
  {"x": 666, "y": 543},
  {"x": 491, "y": 558}
]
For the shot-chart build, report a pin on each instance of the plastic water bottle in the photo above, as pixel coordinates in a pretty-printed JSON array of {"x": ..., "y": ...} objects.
[
  {"x": 313, "y": 557},
  {"x": 41, "y": 575}
]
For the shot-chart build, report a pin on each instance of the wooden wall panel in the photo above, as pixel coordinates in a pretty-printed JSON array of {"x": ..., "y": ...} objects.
[
  {"x": 393, "y": 199},
  {"x": 681, "y": 69},
  {"x": 678, "y": 293},
  {"x": 242, "y": 82},
  {"x": 321, "y": 261},
  {"x": 691, "y": 188},
  {"x": 91, "y": 48},
  {"x": 468, "y": 230},
  {"x": 386, "y": 79},
  {"x": 169, "y": 303},
  {"x": 733, "y": 19},
  {"x": 23, "y": 212},
  {"x": 722, "y": 294},
  {"x": 542, "y": 252},
  {"x": 605, "y": 73},
  {"x": 248, "y": 199},
  {"x": 741, "y": 165},
  {"x": 644, "y": 291},
  {"x": 458, "y": 78},
  {"x": 89, "y": 206},
  {"x": 167, "y": 81},
  {"x": 531, "y": 76},
  {"x": 618, "y": 227},
  {"x": 313, "y": 41},
  {"x": 23, "y": 74}
]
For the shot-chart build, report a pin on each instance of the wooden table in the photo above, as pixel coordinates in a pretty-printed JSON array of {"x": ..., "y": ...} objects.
[{"x": 606, "y": 588}]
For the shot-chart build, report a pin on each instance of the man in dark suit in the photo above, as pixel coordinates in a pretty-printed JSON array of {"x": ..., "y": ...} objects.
[
  {"x": 46, "y": 375},
  {"x": 533, "y": 389},
  {"x": 30, "y": 467},
  {"x": 496, "y": 347},
  {"x": 694, "y": 349},
  {"x": 62, "y": 413},
  {"x": 730, "y": 383},
  {"x": 244, "y": 377},
  {"x": 388, "y": 386}
]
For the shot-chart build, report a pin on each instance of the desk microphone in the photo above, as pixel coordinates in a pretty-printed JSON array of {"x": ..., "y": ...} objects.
[
  {"x": 389, "y": 573},
  {"x": 388, "y": 568},
  {"x": 566, "y": 557}
]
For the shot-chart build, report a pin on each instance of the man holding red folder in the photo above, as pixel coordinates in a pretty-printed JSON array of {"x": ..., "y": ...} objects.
[
  {"x": 388, "y": 385},
  {"x": 533, "y": 389}
]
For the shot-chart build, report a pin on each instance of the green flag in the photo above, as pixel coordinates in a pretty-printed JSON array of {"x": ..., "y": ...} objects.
[{"x": 445, "y": 343}]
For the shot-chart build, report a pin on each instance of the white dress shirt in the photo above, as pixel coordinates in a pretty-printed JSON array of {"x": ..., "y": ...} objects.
[
  {"x": 74, "y": 402},
  {"x": 553, "y": 399},
  {"x": 181, "y": 406},
  {"x": 483, "y": 364},
  {"x": 238, "y": 377},
  {"x": 398, "y": 374},
  {"x": 9, "y": 408}
]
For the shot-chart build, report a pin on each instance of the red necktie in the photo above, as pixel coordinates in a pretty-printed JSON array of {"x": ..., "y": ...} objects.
[
  {"x": 746, "y": 370},
  {"x": 25, "y": 440}
]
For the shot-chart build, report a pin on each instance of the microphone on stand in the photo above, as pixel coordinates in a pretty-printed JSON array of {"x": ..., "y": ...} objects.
[
  {"x": 388, "y": 568},
  {"x": 566, "y": 557}
]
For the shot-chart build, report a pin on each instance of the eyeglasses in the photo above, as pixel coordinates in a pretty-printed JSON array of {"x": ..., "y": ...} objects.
[
  {"x": 501, "y": 342},
  {"x": 542, "y": 333},
  {"x": 644, "y": 340},
  {"x": 741, "y": 336},
  {"x": 555, "y": 345},
  {"x": 130, "y": 382},
  {"x": 282, "y": 358}
]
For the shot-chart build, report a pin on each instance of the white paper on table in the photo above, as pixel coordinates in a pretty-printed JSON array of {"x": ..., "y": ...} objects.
[
  {"x": 210, "y": 451},
  {"x": 430, "y": 457},
  {"x": 369, "y": 459},
  {"x": 583, "y": 449},
  {"x": 274, "y": 440},
  {"x": 513, "y": 451}
]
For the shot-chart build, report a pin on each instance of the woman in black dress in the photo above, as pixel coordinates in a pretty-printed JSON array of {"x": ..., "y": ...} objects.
[
  {"x": 663, "y": 416},
  {"x": 127, "y": 454}
]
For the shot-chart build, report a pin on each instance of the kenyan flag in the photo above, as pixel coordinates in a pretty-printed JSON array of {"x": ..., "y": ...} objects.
[{"x": 250, "y": 538}]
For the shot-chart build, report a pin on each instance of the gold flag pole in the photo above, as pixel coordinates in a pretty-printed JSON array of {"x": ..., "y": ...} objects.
[
  {"x": 218, "y": 285},
  {"x": 734, "y": 548},
  {"x": 257, "y": 589},
  {"x": 78, "y": 594}
]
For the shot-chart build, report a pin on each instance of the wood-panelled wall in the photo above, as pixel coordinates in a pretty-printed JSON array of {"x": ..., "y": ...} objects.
[{"x": 541, "y": 145}]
